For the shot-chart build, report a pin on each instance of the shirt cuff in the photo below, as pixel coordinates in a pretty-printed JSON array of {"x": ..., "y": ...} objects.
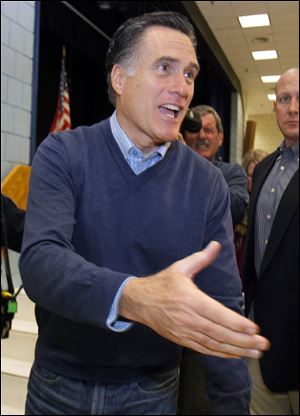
[{"x": 113, "y": 323}]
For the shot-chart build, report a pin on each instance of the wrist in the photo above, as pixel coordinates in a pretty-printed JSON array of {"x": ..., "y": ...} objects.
[{"x": 128, "y": 304}]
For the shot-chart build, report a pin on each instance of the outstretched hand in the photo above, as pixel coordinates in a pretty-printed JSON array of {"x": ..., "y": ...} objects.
[{"x": 172, "y": 305}]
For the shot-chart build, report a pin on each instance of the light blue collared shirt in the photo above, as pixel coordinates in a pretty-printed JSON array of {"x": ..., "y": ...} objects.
[{"x": 139, "y": 162}]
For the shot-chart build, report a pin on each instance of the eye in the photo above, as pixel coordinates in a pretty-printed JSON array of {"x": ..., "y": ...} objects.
[
  {"x": 189, "y": 75},
  {"x": 284, "y": 99},
  {"x": 163, "y": 67}
]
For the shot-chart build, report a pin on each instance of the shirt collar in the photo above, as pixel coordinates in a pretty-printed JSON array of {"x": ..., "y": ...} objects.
[
  {"x": 126, "y": 145},
  {"x": 294, "y": 149}
]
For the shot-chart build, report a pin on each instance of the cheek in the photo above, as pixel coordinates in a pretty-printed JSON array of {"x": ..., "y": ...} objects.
[
  {"x": 190, "y": 139},
  {"x": 281, "y": 116}
]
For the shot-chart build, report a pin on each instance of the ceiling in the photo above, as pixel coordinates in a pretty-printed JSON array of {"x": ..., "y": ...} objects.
[{"x": 237, "y": 44}]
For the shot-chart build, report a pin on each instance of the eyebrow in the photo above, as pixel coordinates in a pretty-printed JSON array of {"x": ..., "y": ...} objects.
[{"x": 174, "y": 60}]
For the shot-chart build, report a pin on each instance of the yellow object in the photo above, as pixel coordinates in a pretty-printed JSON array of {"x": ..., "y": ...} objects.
[{"x": 15, "y": 185}]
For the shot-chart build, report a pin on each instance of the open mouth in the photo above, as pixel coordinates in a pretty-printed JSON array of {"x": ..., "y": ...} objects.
[{"x": 170, "y": 110}]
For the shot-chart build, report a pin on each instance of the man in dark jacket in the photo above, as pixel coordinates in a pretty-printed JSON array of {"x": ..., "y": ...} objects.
[{"x": 271, "y": 261}]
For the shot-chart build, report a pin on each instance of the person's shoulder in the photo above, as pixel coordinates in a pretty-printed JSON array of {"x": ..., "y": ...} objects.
[
  {"x": 78, "y": 138},
  {"x": 230, "y": 167},
  {"x": 84, "y": 132},
  {"x": 199, "y": 164}
]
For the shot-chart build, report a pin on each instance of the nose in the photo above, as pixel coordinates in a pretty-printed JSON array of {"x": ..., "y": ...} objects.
[
  {"x": 202, "y": 134},
  {"x": 182, "y": 87},
  {"x": 294, "y": 105}
]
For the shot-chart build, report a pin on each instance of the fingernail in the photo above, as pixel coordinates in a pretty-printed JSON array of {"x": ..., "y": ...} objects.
[{"x": 255, "y": 354}]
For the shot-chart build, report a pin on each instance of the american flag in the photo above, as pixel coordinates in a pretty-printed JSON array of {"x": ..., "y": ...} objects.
[{"x": 62, "y": 118}]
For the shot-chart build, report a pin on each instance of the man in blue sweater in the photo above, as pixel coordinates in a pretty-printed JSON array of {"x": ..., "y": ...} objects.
[{"x": 124, "y": 260}]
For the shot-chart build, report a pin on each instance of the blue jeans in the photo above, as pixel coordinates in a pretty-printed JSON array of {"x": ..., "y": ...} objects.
[{"x": 52, "y": 394}]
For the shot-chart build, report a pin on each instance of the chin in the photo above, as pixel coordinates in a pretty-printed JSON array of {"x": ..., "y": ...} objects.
[
  {"x": 169, "y": 136},
  {"x": 293, "y": 134}
]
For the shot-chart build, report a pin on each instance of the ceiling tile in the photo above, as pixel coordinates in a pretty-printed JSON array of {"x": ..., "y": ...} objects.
[{"x": 237, "y": 43}]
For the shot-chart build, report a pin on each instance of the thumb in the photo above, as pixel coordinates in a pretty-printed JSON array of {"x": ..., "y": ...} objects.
[{"x": 198, "y": 261}]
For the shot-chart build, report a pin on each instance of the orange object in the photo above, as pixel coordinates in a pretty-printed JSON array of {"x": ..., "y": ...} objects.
[{"x": 15, "y": 185}]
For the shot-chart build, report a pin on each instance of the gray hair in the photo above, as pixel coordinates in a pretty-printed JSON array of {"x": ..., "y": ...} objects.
[{"x": 124, "y": 44}]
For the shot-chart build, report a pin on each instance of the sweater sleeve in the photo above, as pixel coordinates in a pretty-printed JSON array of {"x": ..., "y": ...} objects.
[{"x": 54, "y": 275}]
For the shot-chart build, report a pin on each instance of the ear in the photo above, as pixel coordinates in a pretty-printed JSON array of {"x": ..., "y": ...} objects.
[
  {"x": 117, "y": 79},
  {"x": 221, "y": 138}
]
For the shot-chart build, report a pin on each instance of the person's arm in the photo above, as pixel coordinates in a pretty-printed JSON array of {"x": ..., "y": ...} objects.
[
  {"x": 172, "y": 305},
  {"x": 236, "y": 179},
  {"x": 55, "y": 275},
  {"x": 14, "y": 222},
  {"x": 189, "y": 301}
]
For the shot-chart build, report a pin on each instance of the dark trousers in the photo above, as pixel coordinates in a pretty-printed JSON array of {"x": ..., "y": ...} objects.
[{"x": 192, "y": 396}]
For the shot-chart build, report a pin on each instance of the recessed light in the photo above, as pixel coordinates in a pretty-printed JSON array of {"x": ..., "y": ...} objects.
[
  {"x": 260, "y": 55},
  {"x": 272, "y": 97},
  {"x": 270, "y": 78},
  {"x": 260, "y": 39},
  {"x": 254, "y": 20}
]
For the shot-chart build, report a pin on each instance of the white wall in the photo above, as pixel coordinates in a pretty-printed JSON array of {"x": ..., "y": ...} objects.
[
  {"x": 267, "y": 134},
  {"x": 17, "y": 27}
]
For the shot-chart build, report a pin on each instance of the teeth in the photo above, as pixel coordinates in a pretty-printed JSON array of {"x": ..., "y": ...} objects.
[{"x": 171, "y": 107}]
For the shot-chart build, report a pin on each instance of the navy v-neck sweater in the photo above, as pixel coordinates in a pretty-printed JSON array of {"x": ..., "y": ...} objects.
[{"x": 91, "y": 223}]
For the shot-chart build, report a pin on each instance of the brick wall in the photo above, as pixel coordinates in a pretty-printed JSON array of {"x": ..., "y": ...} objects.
[{"x": 17, "y": 27}]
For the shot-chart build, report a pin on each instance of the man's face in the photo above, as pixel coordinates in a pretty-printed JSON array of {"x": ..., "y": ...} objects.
[
  {"x": 152, "y": 101},
  {"x": 207, "y": 140},
  {"x": 287, "y": 105}
]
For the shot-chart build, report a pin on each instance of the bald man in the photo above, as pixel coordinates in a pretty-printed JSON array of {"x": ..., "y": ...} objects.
[{"x": 271, "y": 261}]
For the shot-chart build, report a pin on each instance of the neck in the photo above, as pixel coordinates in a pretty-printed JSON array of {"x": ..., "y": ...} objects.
[{"x": 290, "y": 142}]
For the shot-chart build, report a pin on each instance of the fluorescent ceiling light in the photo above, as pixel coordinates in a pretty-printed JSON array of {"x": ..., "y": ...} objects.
[
  {"x": 272, "y": 97},
  {"x": 260, "y": 55},
  {"x": 255, "y": 20},
  {"x": 270, "y": 78}
]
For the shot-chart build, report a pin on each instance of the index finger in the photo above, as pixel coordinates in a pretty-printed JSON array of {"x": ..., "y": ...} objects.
[{"x": 227, "y": 326}]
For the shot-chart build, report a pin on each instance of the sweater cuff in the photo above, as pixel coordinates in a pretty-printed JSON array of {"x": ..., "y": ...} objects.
[{"x": 112, "y": 322}]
